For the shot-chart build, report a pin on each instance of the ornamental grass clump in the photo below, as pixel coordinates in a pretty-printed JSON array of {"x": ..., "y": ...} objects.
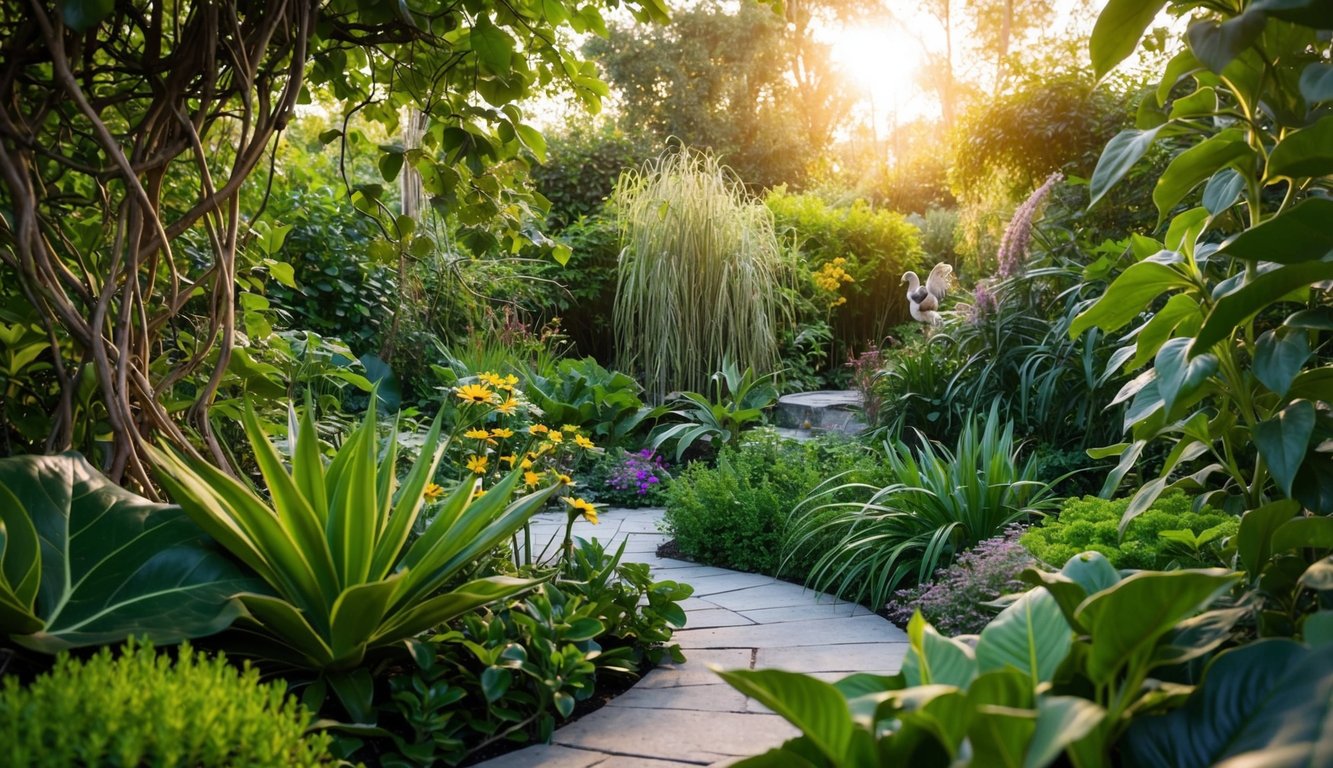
[
  {"x": 141, "y": 708},
  {"x": 701, "y": 276}
]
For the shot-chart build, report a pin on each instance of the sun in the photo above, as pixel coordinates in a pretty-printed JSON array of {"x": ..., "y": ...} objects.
[{"x": 881, "y": 58}]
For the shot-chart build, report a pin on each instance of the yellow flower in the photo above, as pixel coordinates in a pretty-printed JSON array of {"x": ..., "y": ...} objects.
[
  {"x": 433, "y": 491},
  {"x": 583, "y": 442},
  {"x": 527, "y": 464},
  {"x": 492, "y": 379},
  {"x": 570, "y": 428},
  {"x": 509, "y": 383},
  {"x": 474, "y": 393},
  {"x": 478, "y": 464},
  {"x": 502, "y": 432},
  {"x": 531, "y": 479},
  {"x": 538, "y": 429},
  {"x": 510, "y": 459},
  {"x": 565, "y": 479},
  {"x": 555, "y": 437},
  {"x": 477, "y": 434},
  {"x": 508, "y": 407},
  {"x": 588, "y": 510}
]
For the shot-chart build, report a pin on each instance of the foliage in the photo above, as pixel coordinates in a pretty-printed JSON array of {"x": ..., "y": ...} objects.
[
  {"x": 736, "y": 514},
  {"x": 937, "y": 227},
  {"x": 938, "y": 503},
  {"x": 701, "y": 277},
  {"x": 1239, "y": 348},
  {"x": 132, "y": 140},
  {"x": 511, "y": 673},
  {"x": 1170, "y": 534},
  {"x": 735, "y": 402},
  {"x": 142, "y": 708},
  {"x": 582, "y": 165},
  {"x": 1062, "y": 672},
  {"x": 583, "y": 393},
  {"x": 333, "y": 543},
  {"x": 586, "y": 284},
  {"x": 877, "y": 246},
  {"x": 735, "y": 81},
  {"x": 625, "y": 479},
  {"x": 956, "y": 598},
  {"x": 84, "y": 562}
]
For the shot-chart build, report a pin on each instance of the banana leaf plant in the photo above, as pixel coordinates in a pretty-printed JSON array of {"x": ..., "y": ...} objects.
[
  {"x": 332, "y": 543},
  {"x": 85, "y": 562}
]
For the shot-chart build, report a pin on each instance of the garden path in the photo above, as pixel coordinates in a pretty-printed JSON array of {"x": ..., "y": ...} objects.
[{"x": 683, "y": 714}]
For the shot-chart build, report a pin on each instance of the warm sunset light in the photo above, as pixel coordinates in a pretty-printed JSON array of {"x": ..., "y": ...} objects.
[{"x": 881, "y": 59}]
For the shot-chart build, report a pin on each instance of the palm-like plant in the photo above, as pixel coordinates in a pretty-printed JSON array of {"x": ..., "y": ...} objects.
[
  {"x": 333, "y": 542},
  {"x": 735, "y": 401},
  {"x": 942, "y": 502}
]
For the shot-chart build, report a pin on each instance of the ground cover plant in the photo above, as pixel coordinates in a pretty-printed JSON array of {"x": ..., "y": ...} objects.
[{"x": 963, "y": 597}]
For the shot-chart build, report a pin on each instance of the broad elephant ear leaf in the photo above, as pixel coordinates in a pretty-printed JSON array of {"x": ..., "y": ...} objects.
[{"x": 114, "y": 564}]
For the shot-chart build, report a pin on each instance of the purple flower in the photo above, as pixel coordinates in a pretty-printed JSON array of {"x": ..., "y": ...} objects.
[{"x": 1014, "y": 244}]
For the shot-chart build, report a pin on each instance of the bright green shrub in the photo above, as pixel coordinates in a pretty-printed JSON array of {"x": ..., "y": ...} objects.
[
  {"x": 1093, "y": 524},
  {"x": 878, "y": 246},
  {"x": 140, "y": 708},
  {"x": 735, "y": 514}
]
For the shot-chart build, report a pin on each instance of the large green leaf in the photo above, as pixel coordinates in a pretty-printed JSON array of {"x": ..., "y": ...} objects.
[
  {"x": 1196, "y": 164},
  {"x": 1278, "y": 357},
  {"x": 1127, "y": 296},
  {"x": 1254, "y": 541},
  {"x": 1298, "y": 234},
  {"x": 1269, "y": 703},
  {"x": 1305, "y": 153},
  {"x": 113, "y": 564},
  {"x": 812, "y": 705},
  {"x": 1120, "y": 154},
  {"x": 1178, "y": 374},
  {"x": 1029, "y": 635},
  {"x": 935, "y": 659},
  {"x": 1127, "y": 620},
  {"x": 1118, "y": 29},
  {"x": 1284, "y": 439},
  {"x": 1061, "y": 721},
  {"x": 1216, "y": 43},
  {"x": 1239, "y": 306},
  {"x": 1317, "y": 82}
]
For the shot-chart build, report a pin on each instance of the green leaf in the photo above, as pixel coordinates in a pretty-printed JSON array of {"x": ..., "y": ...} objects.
[
  {"x": 1318, "y": 630},
  {"x": 1196, "y": 164},
  {"x": 1061, "y": 721},
  {"x": 1269, "y": 703},
  {"x": 113, "y": 564},
  {"x": 812, "y": 705},
  {"x": 936, "y": 660},
  {"x": 1215, "y": 43},
  {"x": 1296, "y": 235},
  {"x": 1317, "y": 82},
  {"x": 1029, "y": 635},
  {"x": 1126, "y": 621},
  {"x": 1222, "y": 190},
  {"x": 1304, "y": 153},
  {"x": 1178, "y": 374},
  {"x": 1283, "y": 441},
  {"x": 390, "y": 164},
  {"x": 282, "y": 272},
  {"x": 1128, "y": 296},
  {"x": 1237, "y": 307},
  {"x": 1118, "y": 29},
  {"x": 494, "y": 47},
  {"x": 83, "y": 15},
  {"x": 1254, "y": 541},
  {"x": 1120, "y": 154},
  {"x": 1200, "y": 103},
  {"x": 1278, "y": 357},
  {"x": 1315, "y": 14},
  {"x": 1303, "y": 532},
  {"x": 495, "y": 682}
]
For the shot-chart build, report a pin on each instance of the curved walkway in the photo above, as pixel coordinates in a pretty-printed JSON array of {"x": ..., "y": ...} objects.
[{"x": 683, "y": 714}]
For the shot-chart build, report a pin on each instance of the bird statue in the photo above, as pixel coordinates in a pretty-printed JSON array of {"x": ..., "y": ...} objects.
[{"x": 924, "y": 301}]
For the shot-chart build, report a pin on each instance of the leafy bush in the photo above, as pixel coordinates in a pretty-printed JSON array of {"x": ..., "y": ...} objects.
[
  {"x": 953, "y": 600},
  {"x": 581, "y": 168},
  {"x": 583, "y": 393},
  {"x": 937, "y": 227},
  {"x": 865, "y": 539},
  {"x": 878, "y": 247},
  {"x": 734, "y": 403},
  {"x": 511, "y": 673},
  {"x": 736, "y": 514},
  {"x": 1092, "y": 524},
  {"x": 141, "y": 708}
]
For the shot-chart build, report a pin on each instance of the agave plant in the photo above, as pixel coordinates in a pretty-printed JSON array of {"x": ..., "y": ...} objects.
[
  {"x": 942, "y": 502},
  {"x": 332, "y": 542}
]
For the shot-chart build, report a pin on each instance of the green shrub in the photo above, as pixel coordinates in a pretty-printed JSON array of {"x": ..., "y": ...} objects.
[
  {"x": 736, "y": 514},
  {"x": 1093, "y": 524},
  {"x": 140, "y": 708}
]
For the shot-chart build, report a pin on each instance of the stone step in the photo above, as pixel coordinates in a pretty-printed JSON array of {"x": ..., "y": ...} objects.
[{"x": 830, "y": 410}]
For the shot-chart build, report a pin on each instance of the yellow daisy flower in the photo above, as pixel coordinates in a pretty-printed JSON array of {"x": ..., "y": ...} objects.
[
  {"x": 510, "y": 382},
  {"x": 510, "y": 459},
  {"x": 502, "y": 433},
  {"x": 527, "y": 464},
  {"x": 570, "y": 428},
  {"x": 492, "y": 379},
  {"x": 477, "y": 434},
  {"x": 478, "y": 464},
  {"x": 565, "y": 479},
  {"x": 531, "y": 479},
  {"x": 508, "y": 407},
  {"x": 538, "y": 429},
  {"x": 587, "y": 509},
  {"x": 555, "y": 437},
  {"x": 584, "y": 443},
  {"x": 474, "y": 393},
  {"x": 433, "y": 491}
]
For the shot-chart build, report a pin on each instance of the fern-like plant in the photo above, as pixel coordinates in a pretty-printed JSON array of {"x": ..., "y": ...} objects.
[{"x": 700, "y": 277}]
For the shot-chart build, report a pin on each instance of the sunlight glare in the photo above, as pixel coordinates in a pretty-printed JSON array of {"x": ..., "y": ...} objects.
[{"x": 880, "y": 58}]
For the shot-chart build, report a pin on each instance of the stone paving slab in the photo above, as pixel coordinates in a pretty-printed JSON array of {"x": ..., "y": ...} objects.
[{"x": 683, "y": 714}]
